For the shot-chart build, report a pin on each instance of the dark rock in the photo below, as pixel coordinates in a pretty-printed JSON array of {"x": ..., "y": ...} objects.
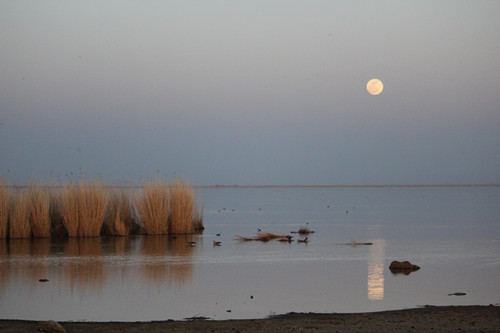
[
  {"x": 50, "y": 326},
  {"x": 404, "y": 267}
]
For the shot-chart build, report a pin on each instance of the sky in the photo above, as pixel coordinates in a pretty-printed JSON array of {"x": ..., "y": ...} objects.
[{"x": 250, "y": 92}]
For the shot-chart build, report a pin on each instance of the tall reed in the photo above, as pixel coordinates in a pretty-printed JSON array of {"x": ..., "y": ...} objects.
[
  {"x": 181, "y": 208},
  {"x": 19, "y": 223},
  {"x": 153, "y": 207},
  {"x": 93, "y": 200},
  {"x": 55, "y": 212},
  {"x": 197, "y": 218},
  {"x": 39, "y": 204},
  {"x": 4, "y": 209},
  {"x": 67, "y": 202},
  {"x": 119, "y": 219}
]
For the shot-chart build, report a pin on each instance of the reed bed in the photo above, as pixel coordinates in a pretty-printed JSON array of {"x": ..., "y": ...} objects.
[
  {"x": 83, "y": 208},
  {"x": 181, "y": 208},
  {"x": 93, "y": 201},
  {"x": 153, "y": 207},
  {"x": 119, "y": 219},
  {"x": 91, "y": 209},
  {"x": 19, "y": 222},
  {"x": 39, "y": 206},
  {"x": 55, "y": 211},
  {"x": 4, "y": 209},
  {"x": 67, "y": 202},
  {"x": 197, "y": 218}
]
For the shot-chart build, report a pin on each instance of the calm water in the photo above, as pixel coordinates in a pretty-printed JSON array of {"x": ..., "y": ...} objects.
[{"x": 452, "y": 233}]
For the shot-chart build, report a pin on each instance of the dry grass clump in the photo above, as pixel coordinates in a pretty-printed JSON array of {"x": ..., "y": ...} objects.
[
  {"x": 153, "y": 205},
  {"x": 119, "y": 219},
  {"x": 55, "y": 212},
  {"x": 182, "y": 206},
  {"x": 197, "y": 218},
  {"x": 88, "y": 208},
  {"x": 83, "y": 207},
  {"x": 4, "y": 209},
  {"x": 93, "y": 200},
  {"x": 19, "y": 223},
  {"x": 266, "y": 236},
  {"x": 67, "y": 203},
  {"x": 39, "y": 205}
]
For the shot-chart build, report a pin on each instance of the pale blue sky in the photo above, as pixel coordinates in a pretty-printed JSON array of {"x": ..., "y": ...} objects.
[{"x": 251, "y": 92}]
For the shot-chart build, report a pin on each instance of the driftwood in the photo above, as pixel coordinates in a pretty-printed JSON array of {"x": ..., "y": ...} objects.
[
  {"x": 457, "y": 294},
  {"x": 285, "y": 240},
  {"x": 264, "y": 237}
]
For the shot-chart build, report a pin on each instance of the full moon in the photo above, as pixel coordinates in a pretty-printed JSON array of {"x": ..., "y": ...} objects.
[{"x": 374, "y": 86}]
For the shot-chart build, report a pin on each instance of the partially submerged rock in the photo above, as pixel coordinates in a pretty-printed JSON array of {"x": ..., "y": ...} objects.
[
  {"x": 404, "y": 267},
  {"x": 50, "y": 326}
]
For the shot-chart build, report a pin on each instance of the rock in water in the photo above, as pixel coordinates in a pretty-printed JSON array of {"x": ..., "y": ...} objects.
[
  {"x": 50, "y": 326},
  {"x": 403, "y": 267}
]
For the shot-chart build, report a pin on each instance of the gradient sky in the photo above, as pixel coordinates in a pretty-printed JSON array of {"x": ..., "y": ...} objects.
[{"x": 250, "y": 92}]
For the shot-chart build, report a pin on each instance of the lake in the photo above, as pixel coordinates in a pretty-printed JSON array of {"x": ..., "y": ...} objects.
[{"x": 452, "y": 233}]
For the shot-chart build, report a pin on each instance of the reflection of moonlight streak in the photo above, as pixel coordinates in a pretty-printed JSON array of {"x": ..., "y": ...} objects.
[{"x": 376, "y": 271}]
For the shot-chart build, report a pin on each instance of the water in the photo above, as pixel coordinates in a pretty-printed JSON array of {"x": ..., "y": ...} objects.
[{"x": 452, "y": 233}]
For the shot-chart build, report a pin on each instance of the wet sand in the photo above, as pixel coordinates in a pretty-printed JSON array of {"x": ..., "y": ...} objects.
[{"x": 429, "y": 318}]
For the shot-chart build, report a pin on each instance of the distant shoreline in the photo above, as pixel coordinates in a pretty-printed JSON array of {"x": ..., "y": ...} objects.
[
  {"x": 289, "y": 186},
  {"x": 344, "y": 186}
]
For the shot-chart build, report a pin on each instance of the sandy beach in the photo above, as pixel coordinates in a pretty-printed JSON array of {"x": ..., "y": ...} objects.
[{"x": 426, "y": 319}]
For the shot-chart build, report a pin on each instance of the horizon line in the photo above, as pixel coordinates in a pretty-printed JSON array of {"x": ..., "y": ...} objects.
[
  {"x": 346, "y": 186},
  {"x": 296, "y": 186}
]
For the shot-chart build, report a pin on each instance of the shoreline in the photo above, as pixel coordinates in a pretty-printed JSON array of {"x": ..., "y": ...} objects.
[{"x": 476, "y": 318}]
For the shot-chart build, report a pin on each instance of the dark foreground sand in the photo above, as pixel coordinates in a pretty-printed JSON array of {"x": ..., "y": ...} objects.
[{"x": 427, "y": 319}]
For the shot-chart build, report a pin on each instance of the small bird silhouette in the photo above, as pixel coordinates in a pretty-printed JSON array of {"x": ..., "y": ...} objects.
[{"x": 217, "y": 243}]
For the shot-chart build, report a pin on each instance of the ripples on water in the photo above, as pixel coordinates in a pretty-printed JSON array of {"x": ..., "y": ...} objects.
[{"x": 452, "y": 233}]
